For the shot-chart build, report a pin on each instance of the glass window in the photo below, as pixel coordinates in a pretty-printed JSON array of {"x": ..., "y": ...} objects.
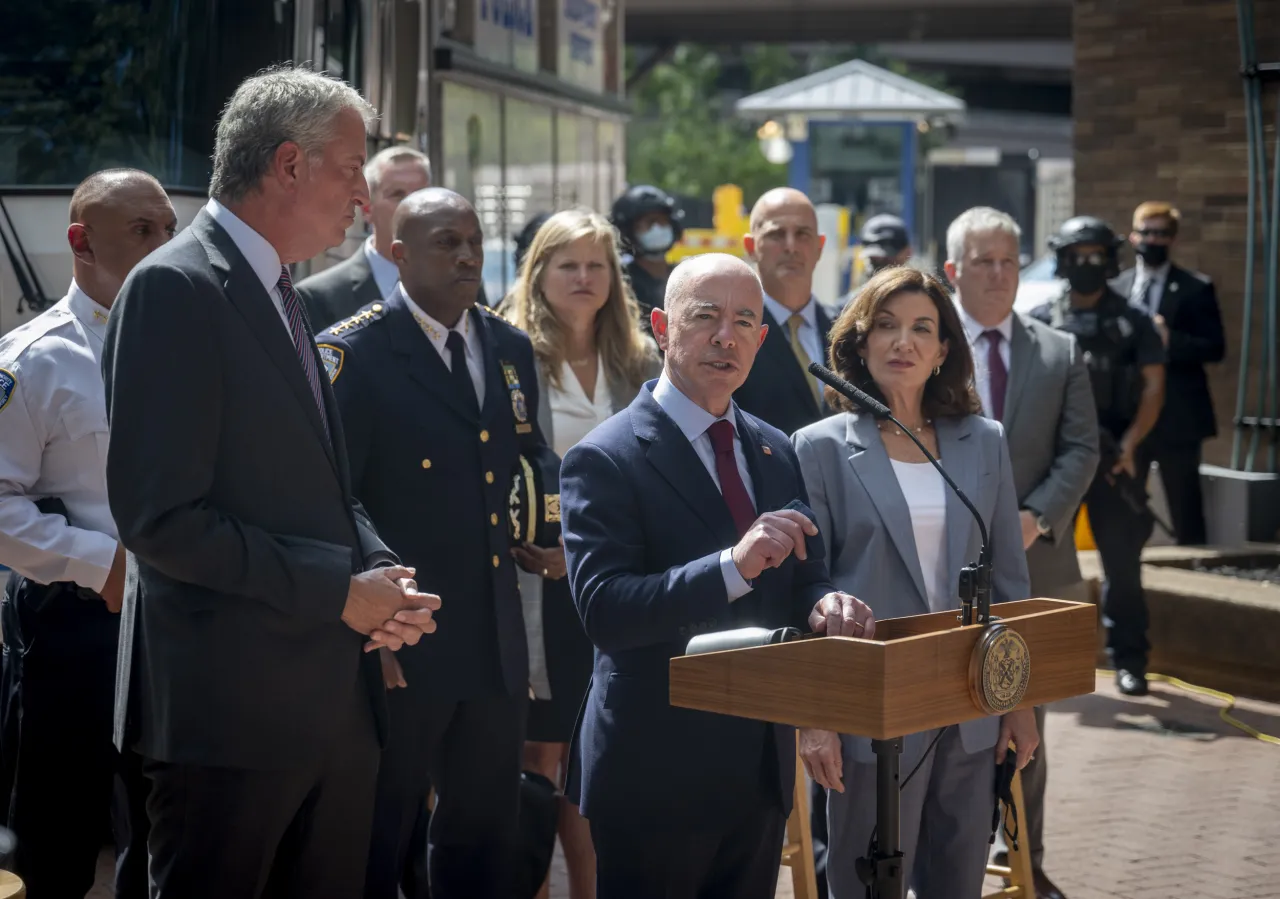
[
  {"x": 89, "y": 84},
  {"x": 610, "y": 174},
  {"x": 530, "y": 183},
  {"x": 473, "y": 168},
  {"x": 858, "y": 166},
  {"x": 575, "y": 161}
]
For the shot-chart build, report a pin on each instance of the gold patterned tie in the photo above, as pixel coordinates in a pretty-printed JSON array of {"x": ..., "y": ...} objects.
[{"x": 793, "y": 325}]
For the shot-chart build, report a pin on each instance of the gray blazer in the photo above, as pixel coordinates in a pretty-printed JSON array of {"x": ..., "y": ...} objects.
[
  {"x": 620, "y": 395},
  {"x": 865, "y": 521},
  {"x": 1051, "y": 425}
]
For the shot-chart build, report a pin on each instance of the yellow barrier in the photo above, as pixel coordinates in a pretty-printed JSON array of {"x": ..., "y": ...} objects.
[{"x": 1084, "y": 534}]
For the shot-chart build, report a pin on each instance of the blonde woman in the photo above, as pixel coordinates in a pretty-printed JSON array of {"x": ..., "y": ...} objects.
[{"x": 571, "y": 299}]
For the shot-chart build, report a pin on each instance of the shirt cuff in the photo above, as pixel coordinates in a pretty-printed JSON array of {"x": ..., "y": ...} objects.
[
  {"x": 91, "y": 565},
  {"x": 735, "y": 585}
]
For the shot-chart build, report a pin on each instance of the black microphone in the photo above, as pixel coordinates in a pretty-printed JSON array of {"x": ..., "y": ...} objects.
[{"x": 975, "y": 579}]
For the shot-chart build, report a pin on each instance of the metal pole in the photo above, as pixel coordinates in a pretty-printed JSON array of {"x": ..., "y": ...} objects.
[
  {"x": 1272, "y": 233},
  {"x": 1251, "y": 232},
  {"x": 890, "y": 882}
]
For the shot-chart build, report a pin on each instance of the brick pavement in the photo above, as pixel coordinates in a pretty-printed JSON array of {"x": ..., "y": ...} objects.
[{"x": 1152, "y": 798}]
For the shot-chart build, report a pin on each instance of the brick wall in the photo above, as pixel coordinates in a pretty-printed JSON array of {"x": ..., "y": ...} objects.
[{"x": 1159, "y": 114}]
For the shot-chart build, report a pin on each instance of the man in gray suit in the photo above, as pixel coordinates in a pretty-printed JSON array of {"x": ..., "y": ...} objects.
[
  {"x": 368, "y": 275},
  {"x": 1034, "y": 380}
]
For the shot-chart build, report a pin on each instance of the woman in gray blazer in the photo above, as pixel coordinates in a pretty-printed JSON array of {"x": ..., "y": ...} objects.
[
  {"x": 898, "y": 538},
  {"x": 570, "y": 297}
]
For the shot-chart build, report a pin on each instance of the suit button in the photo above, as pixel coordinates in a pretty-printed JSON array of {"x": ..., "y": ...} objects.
[
  {"x": 426, "y": 463},
  {"x": 493, "y": 519},
  {"x": 484, "y": 436},
  {"x": 488, "y": 477},
  {"x": 495, "y": 562}
]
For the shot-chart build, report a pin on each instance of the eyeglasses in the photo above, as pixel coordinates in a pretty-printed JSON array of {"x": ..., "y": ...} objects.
[{"x": 1153, "y": 232}]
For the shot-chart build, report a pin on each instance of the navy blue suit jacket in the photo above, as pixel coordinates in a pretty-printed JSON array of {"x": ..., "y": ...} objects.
[
  {"x": 437, "y": 479},
  {"x": 644, "y": 525}
]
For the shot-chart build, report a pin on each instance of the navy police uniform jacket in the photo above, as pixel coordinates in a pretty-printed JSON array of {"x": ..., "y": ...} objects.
[
  {"x": 644, "y": 525},
  {"x": 436, "y": 480}
]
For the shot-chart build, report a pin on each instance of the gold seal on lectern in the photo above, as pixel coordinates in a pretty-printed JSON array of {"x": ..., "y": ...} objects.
[{"x": 999, "y": 670}]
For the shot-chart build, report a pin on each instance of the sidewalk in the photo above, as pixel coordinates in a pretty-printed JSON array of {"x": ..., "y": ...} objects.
[{"x": 1153, "y": 798}]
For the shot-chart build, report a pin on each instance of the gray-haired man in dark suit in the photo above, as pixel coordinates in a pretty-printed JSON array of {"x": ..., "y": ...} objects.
[{"x": 1034, "y": 380}]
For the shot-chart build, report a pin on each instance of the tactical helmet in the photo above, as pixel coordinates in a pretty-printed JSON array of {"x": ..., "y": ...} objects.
[
  {"x": 884, "y": 235},
  {"x": 1088, "y": 229},
  {"x": 642, "y": 200}
]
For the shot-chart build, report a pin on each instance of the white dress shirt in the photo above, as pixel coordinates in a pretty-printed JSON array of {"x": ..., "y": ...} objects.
[
  {"x": 573, "y": 416},
  {"x": 53, "y": 443},
  {"x": 693, "y": 421},
  {"x": 978, "y": 343},
  {"x": 438, "y": 334},
  {"x": 385, "y": 272},
  {"x": 257, "y": 251},
  {"x": 810, "y": 336},
  {"x": 926, "y": 498},
  {"x": 1158, "y": 278}
]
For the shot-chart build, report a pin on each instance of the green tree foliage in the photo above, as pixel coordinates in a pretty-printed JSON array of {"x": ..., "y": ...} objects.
[{"x": 685, "y": 136}]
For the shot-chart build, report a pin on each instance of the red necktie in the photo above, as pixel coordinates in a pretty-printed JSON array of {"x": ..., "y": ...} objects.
[
  {"x": 997, "y": 374},
  {"x": 735, "y": 492}
]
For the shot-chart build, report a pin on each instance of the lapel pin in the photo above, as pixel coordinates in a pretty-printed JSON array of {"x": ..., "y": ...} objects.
[{"x": 767, "y": 451}]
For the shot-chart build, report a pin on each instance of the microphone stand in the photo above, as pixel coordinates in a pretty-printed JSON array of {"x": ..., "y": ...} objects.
[{"x": 883, "y": 871}]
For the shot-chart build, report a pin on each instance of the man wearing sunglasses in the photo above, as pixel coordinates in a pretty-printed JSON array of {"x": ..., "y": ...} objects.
[{"x": 1184, "y": 306}]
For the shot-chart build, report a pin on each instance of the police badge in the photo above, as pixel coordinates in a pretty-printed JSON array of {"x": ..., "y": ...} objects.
[
  {"x": 533, "y": 506},
  {"x": 518, "y": 405}
]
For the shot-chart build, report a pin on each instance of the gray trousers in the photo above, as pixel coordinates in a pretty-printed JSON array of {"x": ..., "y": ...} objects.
[
  {"x": 945, "y": 820},
  {"x": 1036, "y": 775}
]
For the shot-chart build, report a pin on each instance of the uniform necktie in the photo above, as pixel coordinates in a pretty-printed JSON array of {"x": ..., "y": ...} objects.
[
  {"x": 793, "y": 325},
  {"x": 735, "y": 492},
  {"x": 997, "y": 374},
  {"x": 459, "y": 372},
  {"x": 303, "y": 341}
]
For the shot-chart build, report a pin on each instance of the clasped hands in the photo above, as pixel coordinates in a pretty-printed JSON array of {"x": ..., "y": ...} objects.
[{"x": 384, "y": 604}]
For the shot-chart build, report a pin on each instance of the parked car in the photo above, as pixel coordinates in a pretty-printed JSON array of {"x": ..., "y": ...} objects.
[{"x": 1037, "y": 283}]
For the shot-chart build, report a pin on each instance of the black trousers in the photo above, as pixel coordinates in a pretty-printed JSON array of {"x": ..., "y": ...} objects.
[
  {"x": 1180, "y": 476},
  {"x": 62, "y": 779},
  {"x": 1120, "y": 533},
  {"x": 471, "y": 751},
  {"x": 736, "y": 861},
  {"x": 300, "y": 832}
]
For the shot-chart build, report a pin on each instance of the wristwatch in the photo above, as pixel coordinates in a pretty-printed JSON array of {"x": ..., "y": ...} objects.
[{"x": 1042, "y": 524}]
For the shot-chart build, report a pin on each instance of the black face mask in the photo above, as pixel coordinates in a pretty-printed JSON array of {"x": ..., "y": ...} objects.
[
  {"x": 1086, "y": 279},
  {"x": 1155, "y": 254}
]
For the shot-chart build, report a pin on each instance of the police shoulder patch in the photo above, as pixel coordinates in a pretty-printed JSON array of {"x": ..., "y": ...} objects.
[
  {"x": 7, "y": 383},
  {"x": 332, "y": 357}
]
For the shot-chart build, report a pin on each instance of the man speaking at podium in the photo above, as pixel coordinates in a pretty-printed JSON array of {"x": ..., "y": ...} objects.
[{"x": 670, "y": 531}]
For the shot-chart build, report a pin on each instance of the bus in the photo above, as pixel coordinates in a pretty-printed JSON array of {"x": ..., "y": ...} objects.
[{"x": 519, "y": 103}]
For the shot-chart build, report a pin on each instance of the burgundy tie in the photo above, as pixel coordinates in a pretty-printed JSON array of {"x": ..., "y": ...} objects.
[
  {"x": 735, "y": 492},
  {"x": 997, "y": 374}
]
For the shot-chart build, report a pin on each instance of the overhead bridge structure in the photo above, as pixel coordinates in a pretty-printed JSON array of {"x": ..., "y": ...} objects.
[{"x": 845, "y": 21}]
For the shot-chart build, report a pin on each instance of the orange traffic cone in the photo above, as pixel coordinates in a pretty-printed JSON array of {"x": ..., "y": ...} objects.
[{"x": 1084, "y": 534}]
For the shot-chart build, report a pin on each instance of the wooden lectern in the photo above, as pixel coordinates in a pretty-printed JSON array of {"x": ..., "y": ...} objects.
[{"x": 920, "y": 672}]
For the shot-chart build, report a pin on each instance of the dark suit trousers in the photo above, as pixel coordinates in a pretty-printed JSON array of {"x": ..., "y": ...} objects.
[
  {"x": 1180, "y": 476},
  {"x": 737, "y": 861},
  {"x": 1120, "y": 534},
  {"x": 470, "y": 750},
  {"x": 60, "y": 767},
  {"x": 299, "y": 832}
]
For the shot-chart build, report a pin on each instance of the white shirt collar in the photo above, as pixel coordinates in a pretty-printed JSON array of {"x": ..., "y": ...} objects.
[
  {"x": 780, "y": 313},
  {"x": 973, "y": 329},
  {"x": 690, "y": 418},
  {"x": 436, "y": 332},
  {"x": 91, "y": 314},
  {"x": 386, "y": 274},
  {"x": 256, "y": 249}
]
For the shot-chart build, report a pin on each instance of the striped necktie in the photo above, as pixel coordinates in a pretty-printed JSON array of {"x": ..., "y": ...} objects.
[{"x": 302, "y": 341}]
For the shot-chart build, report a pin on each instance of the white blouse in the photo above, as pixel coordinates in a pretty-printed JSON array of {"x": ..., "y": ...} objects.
[
  {"x": 573, "y": 416},
  {"x": 925, "y": 493}
]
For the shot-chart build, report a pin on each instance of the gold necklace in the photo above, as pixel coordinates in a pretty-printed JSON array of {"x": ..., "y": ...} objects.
[{"x": 897, "y": 432}]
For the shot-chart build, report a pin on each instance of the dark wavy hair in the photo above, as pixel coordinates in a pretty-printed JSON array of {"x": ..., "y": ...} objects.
[{"x": 948, "y": 394}]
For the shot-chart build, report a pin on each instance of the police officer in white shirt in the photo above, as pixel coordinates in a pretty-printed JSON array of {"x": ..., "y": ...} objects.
[{"x": 60, "y": 614}]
